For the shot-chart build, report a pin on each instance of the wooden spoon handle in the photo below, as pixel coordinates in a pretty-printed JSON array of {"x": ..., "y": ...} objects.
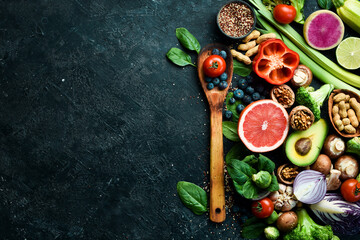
[{"x": 217, "y": 191}]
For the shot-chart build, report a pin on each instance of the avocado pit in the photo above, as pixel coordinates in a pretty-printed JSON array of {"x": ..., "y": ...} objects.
[{"x": 303, "y": 146}]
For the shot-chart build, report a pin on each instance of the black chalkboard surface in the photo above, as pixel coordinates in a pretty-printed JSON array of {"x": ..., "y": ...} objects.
[{"x": 97, "y": 126}]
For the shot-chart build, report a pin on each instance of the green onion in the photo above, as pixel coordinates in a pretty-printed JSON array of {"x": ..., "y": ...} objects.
[{"x": 298, "y": 40}]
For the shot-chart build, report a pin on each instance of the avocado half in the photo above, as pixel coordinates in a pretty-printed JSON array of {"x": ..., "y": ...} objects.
[{"x": 316, "y": 134}]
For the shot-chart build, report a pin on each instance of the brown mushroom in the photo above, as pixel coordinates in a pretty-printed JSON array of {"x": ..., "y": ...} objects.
[
  {"x": 302, "y": 76},
  {"x": 287, "y": 221},
  {"x": 332, "y": 180},
  {"x": 348, "y": 166},
  {"x": 334, "y": 146},
  {"x": 322, "y": 164}
]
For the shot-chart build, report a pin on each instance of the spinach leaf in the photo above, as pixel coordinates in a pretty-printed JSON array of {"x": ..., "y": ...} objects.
[
  {"x": 274, "y": 185},
  {"x": 238, "y": 151},
  {"x": 230, "y": 131},
  {"x": 265, "y": 164},
  {"x": 238, "y": 188},
  {"x": 250, "y": 190},
  {"x": 241, "y": 69},
  {"x": 187, "y": 39},
  {"x": 253, "y": 228},
  {"x": 326, "y": 4},
  {"x": 193, "y": 197},
  {"x": 232, "y": 107},
  {"x": 251, "y": 160},
  {"x": 179, "y": 57},
  {"x": 239, "y": 171}
]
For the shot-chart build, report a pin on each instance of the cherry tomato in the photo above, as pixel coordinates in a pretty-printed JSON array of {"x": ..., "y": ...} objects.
[
  {"x": 350, "y": 190},
  {"x": 214, "y": 66},
  {"x": 262, "y": 208},
  {"x": 284, "y": 13}
]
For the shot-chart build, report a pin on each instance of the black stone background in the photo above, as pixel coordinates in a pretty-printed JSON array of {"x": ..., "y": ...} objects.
[{"x": 97, "y": 126}]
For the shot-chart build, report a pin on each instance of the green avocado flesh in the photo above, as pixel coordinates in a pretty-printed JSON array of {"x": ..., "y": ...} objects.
[{"x": 316, "y": 133}]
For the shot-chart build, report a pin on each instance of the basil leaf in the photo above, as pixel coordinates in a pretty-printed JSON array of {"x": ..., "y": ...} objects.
[
  {"x": 326, "y": 4},
  {"x": 187, "y": 39},
  {"x": 230, "y": 131},
  {"x": 253, "y": 228},
  {"x": 232, "y": 107},
  {"x": 265, "y": 164},
  {"x": 250, "y": 190},
  {"x": 179, "y": 57},
  {"x": 274, "y": 185},
  {"x": 238, "y": 151},
  {"x": 241, "y": 69},
  {"x": 192, "y": 196},
  {"x": 239, "y": 171}
]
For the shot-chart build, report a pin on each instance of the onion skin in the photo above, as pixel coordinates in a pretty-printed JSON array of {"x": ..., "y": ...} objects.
[{"x": 310, "y": 186}]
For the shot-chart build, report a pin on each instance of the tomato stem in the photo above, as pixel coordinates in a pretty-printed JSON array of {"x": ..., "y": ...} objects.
[{"x": 214, "y": 65}]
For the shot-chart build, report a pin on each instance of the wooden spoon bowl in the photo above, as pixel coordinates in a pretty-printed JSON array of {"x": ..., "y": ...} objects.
[
  {"x": 216, "y": 98},
  {"x": 330, "y": 105}
]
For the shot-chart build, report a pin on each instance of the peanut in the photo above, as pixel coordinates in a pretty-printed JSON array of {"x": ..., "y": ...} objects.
[
  {"x": 356, "y": 106},
  {"x": 345, "y": 121},
  {"x": 265, "y": 37},
  {"x": 342, "y": 109},
  {"x": 339, "y": 97},
  {"x": 253, "y": 35},
  {"x": 336, "y": 117},
  {"x": 347, "y": 98},
  {"x": 247, "y": 46},
  {"x": 240, "y": 57},
  {"x": 335, "y": 109},
  {"x": 352, "y": 117},
  {"x": 339, "y": 125},
  {"x": 252, "y": 51},
  {"x": 349, "y": 129},
  {"x": 347, "y": 106}
]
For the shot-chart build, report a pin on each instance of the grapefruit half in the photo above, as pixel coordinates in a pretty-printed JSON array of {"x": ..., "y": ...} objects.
[{"x": 263, "y": 125}]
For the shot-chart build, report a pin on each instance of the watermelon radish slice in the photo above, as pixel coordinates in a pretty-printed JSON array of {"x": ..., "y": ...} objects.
[{"x": 323, "y": 30}]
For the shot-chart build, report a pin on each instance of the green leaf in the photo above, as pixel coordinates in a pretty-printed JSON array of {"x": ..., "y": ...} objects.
[
  {"x": 179, "y": 57},
  {"x": 253, "y": 228},
  {"x": 238, "y": 188},
  {"x": 188, "y": 40},
  {"x": 265, "y": 164},
  {"x": 274, "y": 185},
  {"x": 232, "y": 107},
  {"x": 252, "y": 160},
  {"x": 238, "y": 151},
  {"x": 241, "y": 69},
  {"x": 250, "y": 190},
  {"x": 193, "y": 197},
  {"x": 230, "y": 131},
  {"x": 325, "y": 4},
  {"x": 239, "y": 171}
]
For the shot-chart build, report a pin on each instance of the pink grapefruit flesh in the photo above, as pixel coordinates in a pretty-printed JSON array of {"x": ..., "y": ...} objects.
[{"x": 263, "y": 126}]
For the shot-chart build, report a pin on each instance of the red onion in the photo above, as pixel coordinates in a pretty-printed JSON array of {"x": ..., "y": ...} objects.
[{"x": 310, "y": 186}]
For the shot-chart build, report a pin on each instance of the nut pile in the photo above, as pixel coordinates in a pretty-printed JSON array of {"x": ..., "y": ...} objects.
[
  {"x": 346, "y": 113},
  {"x": 284, "y": 95},
  {"x": 301, "y": 118}
]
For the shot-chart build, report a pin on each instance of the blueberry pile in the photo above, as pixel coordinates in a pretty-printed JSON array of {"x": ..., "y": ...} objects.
[
  {"x": 220, "y": 81},
  {"x": 248, "y": 90}
]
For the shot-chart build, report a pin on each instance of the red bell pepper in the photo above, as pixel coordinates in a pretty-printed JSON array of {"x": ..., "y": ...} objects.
[{"x": 275, "y": 62}]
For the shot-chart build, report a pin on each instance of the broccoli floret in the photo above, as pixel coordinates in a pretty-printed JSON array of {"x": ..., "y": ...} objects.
[
  {"x": 308, "y": 229},
  {"x": 314, "y": 99}
]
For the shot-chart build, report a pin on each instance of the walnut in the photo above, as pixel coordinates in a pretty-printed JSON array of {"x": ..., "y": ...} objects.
[
  {"x": 286, "y": 173},
  {"x": 301, "y": 118}
]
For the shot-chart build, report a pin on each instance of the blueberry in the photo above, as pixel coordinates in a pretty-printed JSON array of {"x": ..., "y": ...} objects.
[
  {"x": 239, "y": 108},
  {"x": 223, "y": 85},
  {"x": 238, "y": 94},
  {"x": 208, "y": 79},
  {"x": 243, "y": 83},
  {"x": 216, "y": 81},
  {"x": 249, "y": 90},
  {"x": 247, "y": 99},
  {"x": 262, "y": 97},
  {"x": 215, "y": 51},
  {"x": 249, "y": 79},
  {"x": 232, "y": 100},
  {"x": 210, "y": 86},
  {"x": 223, "y": 77},
  {"x": 256, "y": 96},
  {"x": 223, "y": 54},
  {"x": 228, "y": 114}
]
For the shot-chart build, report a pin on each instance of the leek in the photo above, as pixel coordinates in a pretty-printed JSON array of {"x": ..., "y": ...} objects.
[
  {"x": 319, "y": 72},
  {"x": 298, "y": 40}
]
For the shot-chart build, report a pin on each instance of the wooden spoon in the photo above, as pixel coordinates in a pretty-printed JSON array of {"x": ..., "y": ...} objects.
[{"x": 216, "y": 99}]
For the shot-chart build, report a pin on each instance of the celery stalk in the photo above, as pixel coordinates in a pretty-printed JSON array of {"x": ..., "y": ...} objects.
[{"x": 298, "y": 40}]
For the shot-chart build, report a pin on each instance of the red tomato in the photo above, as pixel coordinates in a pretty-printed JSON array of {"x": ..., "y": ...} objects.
[
  {"x": 284, "y": 13},
  {"x": 350, "y": 190},
  {"x": 214, "y": 66},
  {"x": 262, "y": 208}
]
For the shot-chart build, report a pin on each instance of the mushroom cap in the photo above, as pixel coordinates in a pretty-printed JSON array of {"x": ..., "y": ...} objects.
[{"x": 348, "y": 166}]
